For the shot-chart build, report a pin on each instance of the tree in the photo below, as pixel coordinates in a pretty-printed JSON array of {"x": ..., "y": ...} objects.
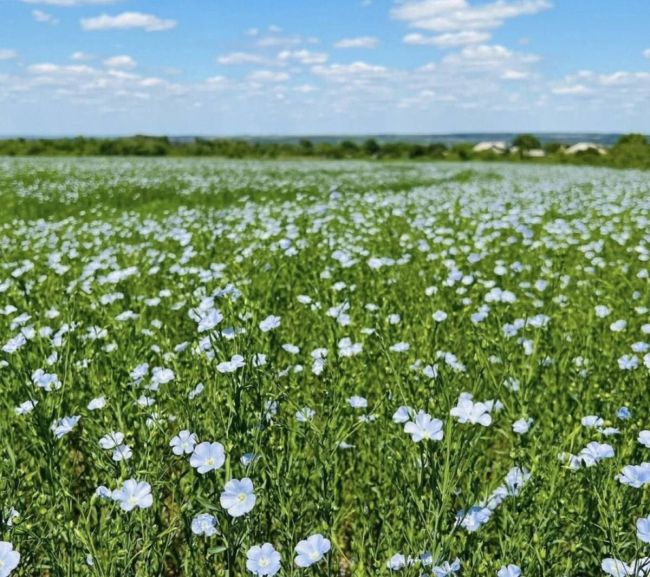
[
  {"x": 631, "y": 150},
  {"x": 526, "y": 142},
  {"x": 371, "y": 147}
]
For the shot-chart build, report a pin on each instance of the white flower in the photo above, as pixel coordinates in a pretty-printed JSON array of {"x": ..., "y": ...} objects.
[
  {"x": 467, "y": 411},
  {"x": 643, "y": 529},
  {"x": 238, "y": 497},
  {"x": 397, "y": 562},
  {"x": 235, "y": 362},
  {"x": 9, "y": 559},
  {"x": 446, "y": 568},
  {"x": 111, "y": 440},
  {"x": 472, "y": 519},
  {"x": 207, "y": 320},
  {"x": 349, "y": 349},
  {"x": 402, "y": 415},
  {"x": 617, "y": 568},
  {"x": 64, "y": 426},
  {"x": 644, "y": 438},
  {"x": 400, "y": 347},
  {"x": 26, "y": 407},
  {"x": 635, "y": 475},
  {"x": 592, "y": 421},
  {"x": 618, "y": 326},
  {"x": 264, "y": 560},
  {"x": 204, "y": 524},
  {"x": 602, "y": 311},
  {"x": 269, "y": 323},
  {"x": 182, "y": 443},
  {"x": 103, "y": 492},
  {"x": 424, "y": 428},
  {"x": 595, "y": 452},
  {"x": 439, "y": 316},
  {"x": 357, "y": 402},
  {"x": 122, "y": 453},
  {"x": 208, "y": 457},
  {"x": 97, "y": 403},
  {"x": 509, "y": 571},
  {"x": 311, "y": 550},
  {"x": 46, "y": 381},
  {"x": 133, "y": 494},
  {"x": 305, "y": 414},
  {"x": 522, "y": 426}
]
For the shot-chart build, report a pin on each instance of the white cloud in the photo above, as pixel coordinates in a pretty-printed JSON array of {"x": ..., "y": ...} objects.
[
  {"x": 622, "y": 88},
  {"x": 418, "y": 39},
  {"x": 514, "y": 75},
  {"x": 571, "y": 89},
  {"x": 68, "y": 3},
  {"x": 123, "y": 61},
  {"x": 268, "y": 76},
  {"x": 359, "y": 42},
  {"x": 8, "y": 54},
  {"x": 271, "y": 41},
  {"x": 489, "y": 56},
  {"x": 646, "y": 53},
  {"x": 357, "y": 72},
  {"x": 238, "y": 58},
  {"x": 448, "y": 40},
  {"x": 81, "y": 56},
  {"x": 128, "y": 20},
  {"x": 460, "y": 15},
  {"x": 302, "y": 56},
  {"x": 44, "y": 17},
  {"x": 49, "y": 68}
]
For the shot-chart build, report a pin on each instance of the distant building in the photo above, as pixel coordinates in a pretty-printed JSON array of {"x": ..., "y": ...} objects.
[
  {"x": 496, "y": 147},
  {"x": 535, "y": 153},
  {"x": 585, "y": 147}
]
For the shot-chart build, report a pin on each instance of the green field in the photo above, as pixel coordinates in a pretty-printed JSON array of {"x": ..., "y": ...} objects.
[{"x": 419, "y": 362}]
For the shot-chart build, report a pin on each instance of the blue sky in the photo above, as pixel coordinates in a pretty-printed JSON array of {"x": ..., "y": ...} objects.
[{"x": 235, "y": 67}]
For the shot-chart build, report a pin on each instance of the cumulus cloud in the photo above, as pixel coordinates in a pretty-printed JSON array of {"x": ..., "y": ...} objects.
[
  {"x": 123, "y": 61},
  {"x": 623, "y": 87},
  {"x": 358, "y": 42},
  {"x": 570, "y": 89},
  {"x": 128, "y": 20},
  {"x": 44, "y": 17},
  {"x": 58, "y": 69},
  {"x": 274, "y": 41},
  {"x": 238, "y": 58},
  {"x": 302, "y": 57},
  {"x": 268, "y": 76},
  {"x": 489, "y": 56},
  {"x": 459, "y": 15},
  {"x": 8, "y": 54},
  {"x": 80, "y": 56},
  {"x": 448, "y": 40},
  {"x": 357, "y": 72},
  {"x": 646, "y": 53}
]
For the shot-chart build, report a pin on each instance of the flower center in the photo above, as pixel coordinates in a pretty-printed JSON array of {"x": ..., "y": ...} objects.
[
  {"x": 314, "y": 556},
  {"x": 241, "y": 497},
  {"x": 264, "y": 562},
  {"x": 209, "y": 462}
]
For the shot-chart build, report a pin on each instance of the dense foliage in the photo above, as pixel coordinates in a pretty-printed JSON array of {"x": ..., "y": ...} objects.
[
  {"x": 327, "y": 368},
  {"x": 632, "y": 151}
]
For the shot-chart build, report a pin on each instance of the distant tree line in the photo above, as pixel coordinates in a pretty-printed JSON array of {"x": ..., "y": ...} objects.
[{"x": 632, "y": 150}]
